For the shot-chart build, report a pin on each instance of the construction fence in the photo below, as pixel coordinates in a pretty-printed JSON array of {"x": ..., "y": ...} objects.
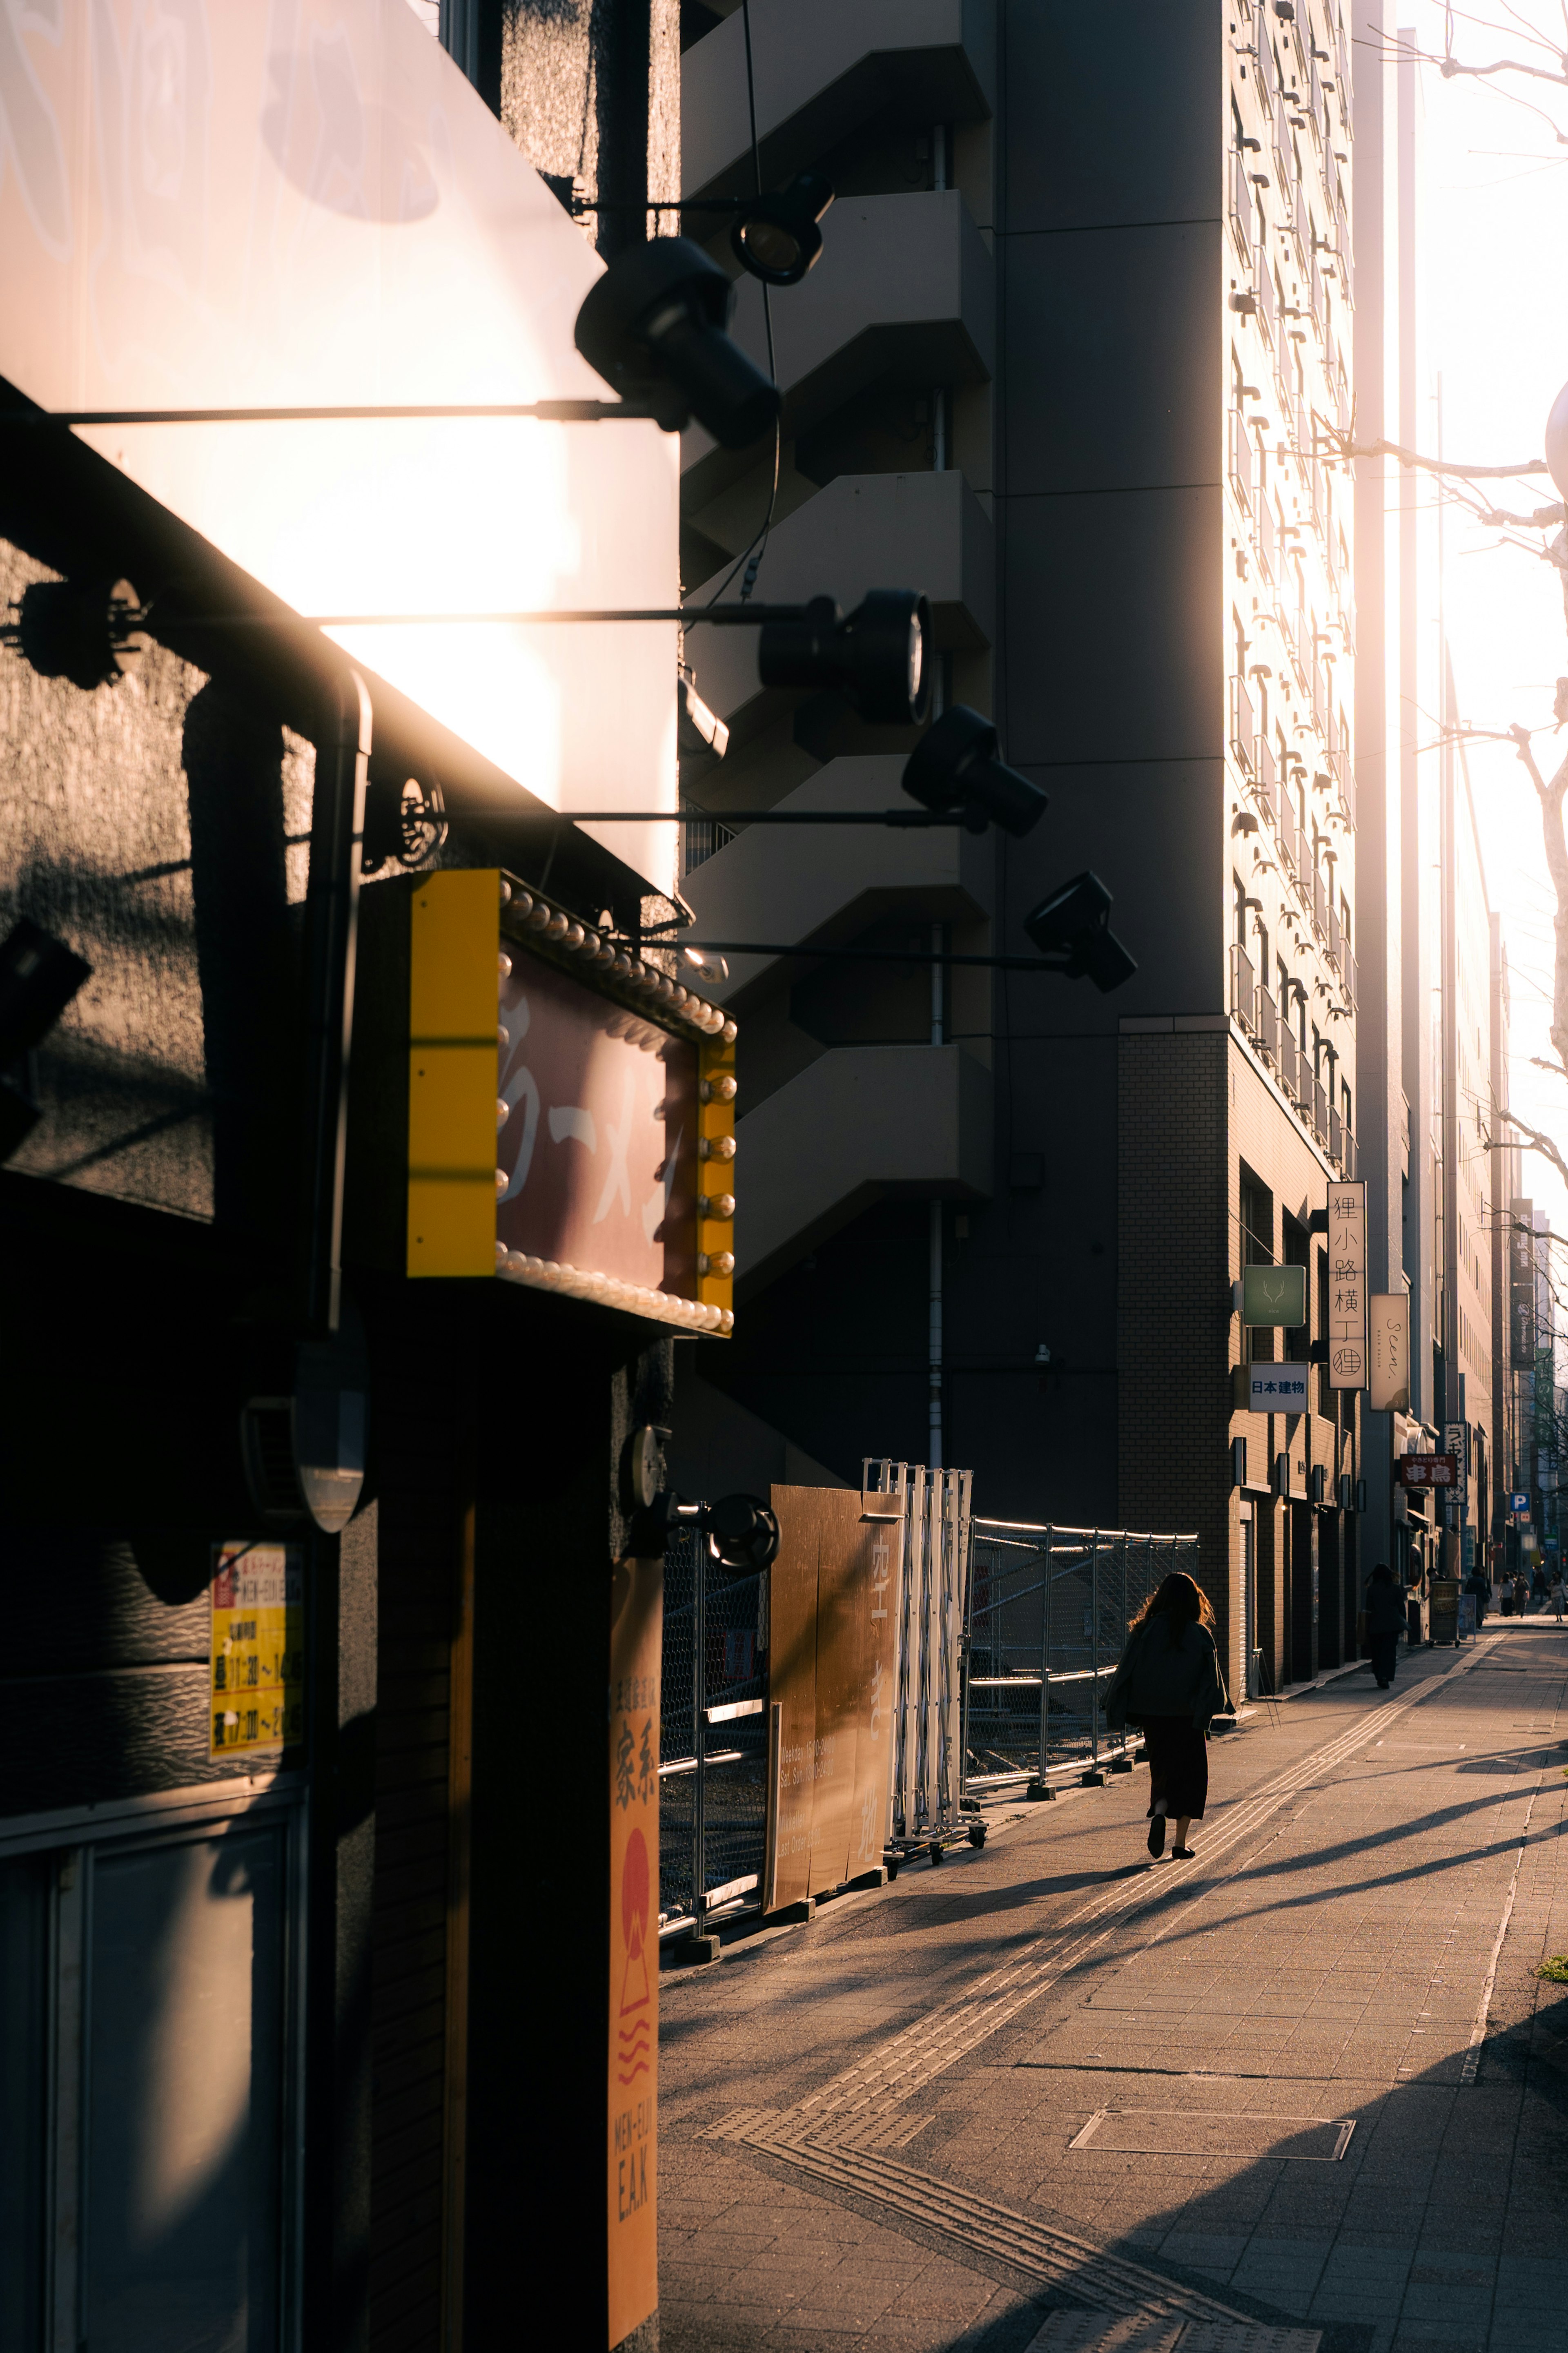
[
  {"x": 1047, "y": 1619},
  {"x": 856, "y": 1703}
]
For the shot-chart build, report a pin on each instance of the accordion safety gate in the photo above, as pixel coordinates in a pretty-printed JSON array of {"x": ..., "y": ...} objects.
[
  {"x": 926, "y": 1810},
  {"x": 1047, "y": 1621}
]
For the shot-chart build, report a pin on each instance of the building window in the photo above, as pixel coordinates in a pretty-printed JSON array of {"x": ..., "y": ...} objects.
[{"x": 156, "y": 1972}]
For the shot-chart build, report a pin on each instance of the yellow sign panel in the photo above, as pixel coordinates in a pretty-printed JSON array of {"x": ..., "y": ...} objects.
[
  {"x": 257, "y": 1671},
  {"x": 636, "y": 1622}
]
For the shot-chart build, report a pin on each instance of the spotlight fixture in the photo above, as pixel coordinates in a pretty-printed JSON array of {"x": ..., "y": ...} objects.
[
  {"x": 696, "y": 728},
  {"x": 955, "y": 766},
  {"x": 654, "y": 328},
  {"x": 705, "y": 963},
  {"x": 776, "y": 238},
  {"x": 1075, "y": 923},
  {"x": 38, "y": 977},
  {"x": 877, "y": 659},
  {"x": 405, "y": 822}
]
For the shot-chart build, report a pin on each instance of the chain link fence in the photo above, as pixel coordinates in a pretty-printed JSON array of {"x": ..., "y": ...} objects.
[
  {"x": 1046, "y": 1624},
  {"x": 713, "y": 1737}
]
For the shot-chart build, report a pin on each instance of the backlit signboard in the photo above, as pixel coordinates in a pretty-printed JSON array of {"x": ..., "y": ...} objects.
[
  {"x": 309, "y": 206},
  {"x": 548, "y": 1108}
]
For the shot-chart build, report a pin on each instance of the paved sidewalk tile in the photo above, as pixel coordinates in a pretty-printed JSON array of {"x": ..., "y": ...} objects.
[{"x": 1325, "y": 1965}]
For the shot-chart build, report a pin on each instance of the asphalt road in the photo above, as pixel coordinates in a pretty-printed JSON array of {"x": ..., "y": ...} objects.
[{"x": 1306, "y": 2092}]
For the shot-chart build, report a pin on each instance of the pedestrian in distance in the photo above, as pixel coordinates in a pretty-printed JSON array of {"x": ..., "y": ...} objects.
[
  {"x": 1169, "y": 1684},
  {"x": 1554, "y": 1593},
  {"x": 1478, "y": 1585},
  {"x": 1538, "y": 1588},
  {"x": 1521, "y": 1593},
  {"x": 1385, "y": 1621}
]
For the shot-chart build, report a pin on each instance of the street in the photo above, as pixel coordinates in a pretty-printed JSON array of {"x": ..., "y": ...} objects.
[{"x": 1306, "y": 2091}]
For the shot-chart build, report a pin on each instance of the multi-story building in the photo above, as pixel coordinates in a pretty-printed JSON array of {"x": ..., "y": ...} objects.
[
  {"x": 1085, "y": 307},
  {"x": 1537, "y": 1399}
]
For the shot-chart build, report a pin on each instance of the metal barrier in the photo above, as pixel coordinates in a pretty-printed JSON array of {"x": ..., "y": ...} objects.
[
  {"x": 713, "y": 1737},
  {"x": 1046, "y": 1622},
  {"x": 925, "y": 1800}
]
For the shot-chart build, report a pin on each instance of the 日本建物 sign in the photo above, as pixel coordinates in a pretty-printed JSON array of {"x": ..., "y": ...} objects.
[
  {"x": 257, "y": 1650},
  {"x": 1277, "y": 1388},
  {"x": 1428, "y": 1471},
  {"x": 1274, "y": 1296},
  {"x": 1347, "y": 1286}
]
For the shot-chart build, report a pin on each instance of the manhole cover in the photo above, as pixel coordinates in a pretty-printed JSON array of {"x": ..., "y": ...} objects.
[{"x": 1175, "y": 2132}]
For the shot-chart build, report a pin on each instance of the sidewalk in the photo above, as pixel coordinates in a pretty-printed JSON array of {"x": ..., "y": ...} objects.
[{"x": 1051, "y": 2091}]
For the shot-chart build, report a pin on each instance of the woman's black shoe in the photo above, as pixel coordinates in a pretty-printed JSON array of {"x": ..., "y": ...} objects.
[
  {"x": 1181, "y": 1855},
  {"x": 1157, "y": 1835}
]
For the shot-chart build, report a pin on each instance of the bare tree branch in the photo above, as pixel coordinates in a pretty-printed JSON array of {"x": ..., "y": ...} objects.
[{"x": 1345, "y": 445}]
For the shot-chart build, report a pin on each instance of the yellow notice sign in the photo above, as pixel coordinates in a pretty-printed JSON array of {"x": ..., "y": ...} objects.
[
  {"x": 636, "y": 1621},
  {"x": 258, "y": 1697}
]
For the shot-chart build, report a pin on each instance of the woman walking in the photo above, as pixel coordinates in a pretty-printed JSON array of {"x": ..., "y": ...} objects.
[
  {"x": 1385, "y": 1621},
  {"x": 1169, "y": 1682}
]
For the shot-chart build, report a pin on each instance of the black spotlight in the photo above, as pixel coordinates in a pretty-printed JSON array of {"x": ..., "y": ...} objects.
[
  {"x": 1075, "y": 923},
  {"x": 38, "y": 977},
  {"x": 776, "y": 236},
  {"x": 654, "y": 328},
  {"x": 743, "y": 1533},
  {"x": 877, "y": 659},
  {"x": 955, "y": 766}
]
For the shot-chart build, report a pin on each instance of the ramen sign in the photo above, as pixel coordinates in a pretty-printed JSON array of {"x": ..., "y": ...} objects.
[{"x": 570, "y": 1109}]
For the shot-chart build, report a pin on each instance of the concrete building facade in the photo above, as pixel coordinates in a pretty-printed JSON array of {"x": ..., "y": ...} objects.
[{"x": 1087, "y": 302}]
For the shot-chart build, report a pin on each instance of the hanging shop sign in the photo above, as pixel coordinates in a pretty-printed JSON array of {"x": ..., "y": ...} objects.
[
  {"x": 833, "y": 1604},
  {"x": 1388, "y": 1351},
  {"x": 534, "y": 1102},
  {"x": 1347, "y": 1332},
  {"x": 1277, "y": 1388},
  {"x": 257, "y": 1654},
  {"x": 1429, "y": 1470},
  {"x": 1274, "y": 1296}
]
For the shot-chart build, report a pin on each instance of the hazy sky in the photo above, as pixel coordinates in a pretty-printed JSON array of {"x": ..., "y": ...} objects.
[{"x": 1496, "y": 280}]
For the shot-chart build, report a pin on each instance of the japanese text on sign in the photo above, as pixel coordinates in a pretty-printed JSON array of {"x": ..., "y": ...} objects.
[
  {"x": 1347, "y": 1286},
  {"x": 1428, "y": 1471},
  {"x": 257, "y": 1650}
]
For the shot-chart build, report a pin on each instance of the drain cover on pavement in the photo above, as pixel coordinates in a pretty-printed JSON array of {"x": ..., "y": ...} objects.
[{"x": 1176, "y": 2132}]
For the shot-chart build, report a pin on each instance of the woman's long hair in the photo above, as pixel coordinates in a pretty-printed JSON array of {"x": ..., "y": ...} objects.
[{"x": 1181, "y": 1603}]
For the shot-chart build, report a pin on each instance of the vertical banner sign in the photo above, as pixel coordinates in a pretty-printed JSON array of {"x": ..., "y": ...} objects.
[
  {"x": 636, "y": 1622},
  {"x": 1347, "y": 1286},
  {"x": 257, "y": 1650},
  {"x": 1388, "y": 1351}
]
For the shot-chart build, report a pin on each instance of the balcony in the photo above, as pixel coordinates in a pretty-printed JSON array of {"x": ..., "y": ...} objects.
[
  {"x": 859, "y": 1123},
  {"x": 1269, "y": 776},
  {"x": 1318, "y": 1112},
  {"x": 1243, "y": 725},
  {"x": 905, "y": 293},
  {"x": 752, "y": 888},
  {"x": 1334, "y": 936},
  {"x": 1243, "y": 989},
  {"x": 1268, "y": 1026},
  {"x": 1289, "y": 1060},
  {"x": 1241, "y": 209},
  {"x": 1268, "y": 546},
  {"x": 860, "y": 532},
  {"x": 821, "y": 71},
  {"x": 1347, "y": 973},
  {"x": 1320, "y": 903},
  {"x": 1240, "y": 456}
]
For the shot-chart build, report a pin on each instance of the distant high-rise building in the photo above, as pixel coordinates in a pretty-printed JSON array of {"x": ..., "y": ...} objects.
[{"x": 1088, "y": 310}]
